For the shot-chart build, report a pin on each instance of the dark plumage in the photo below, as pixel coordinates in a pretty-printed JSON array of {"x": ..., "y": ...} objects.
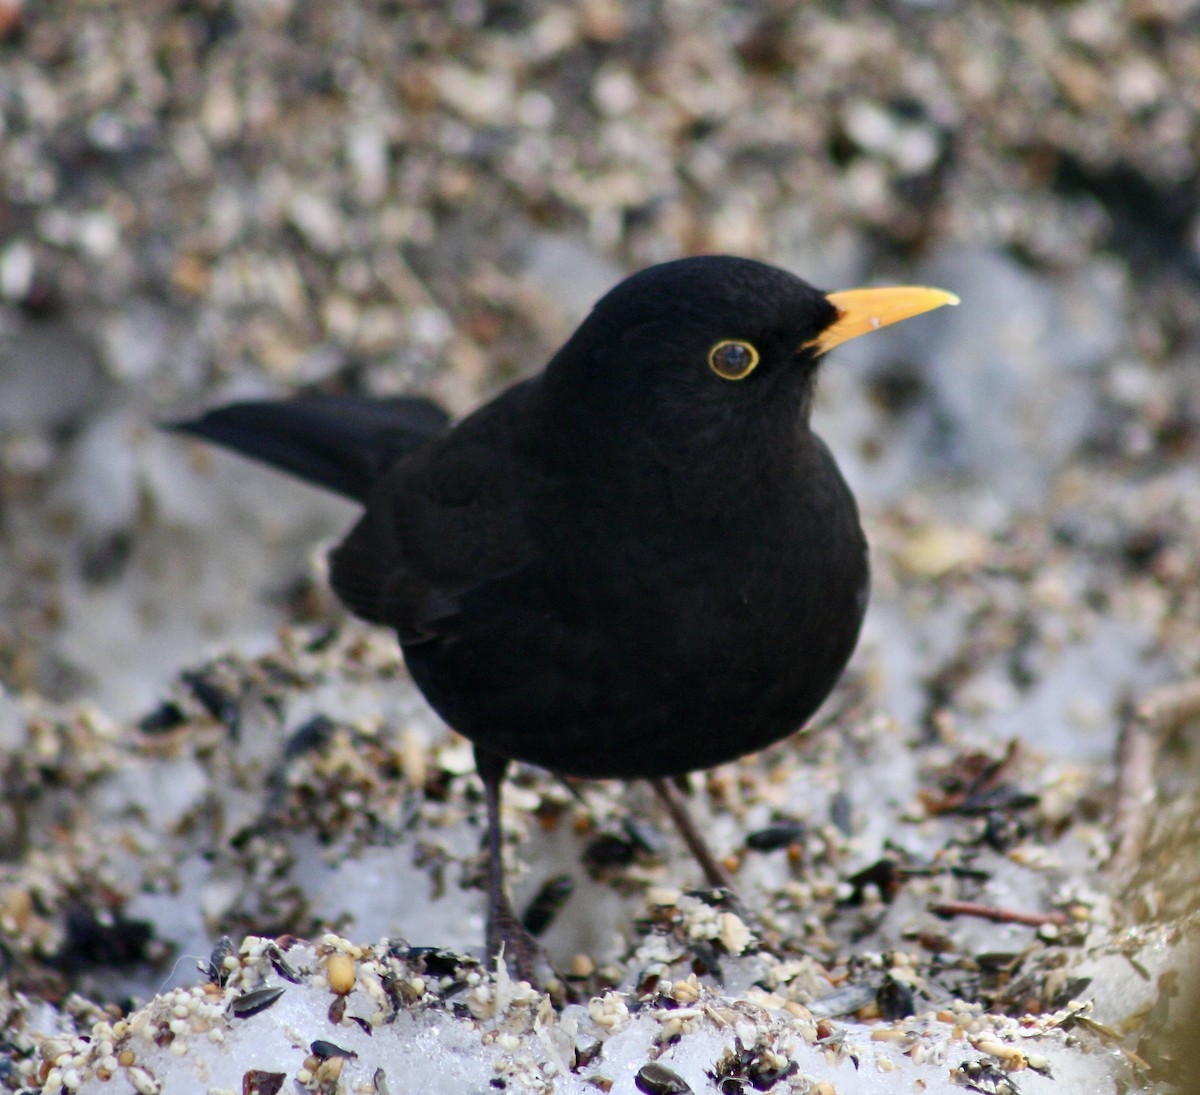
[{"x": 639, "y": 562}]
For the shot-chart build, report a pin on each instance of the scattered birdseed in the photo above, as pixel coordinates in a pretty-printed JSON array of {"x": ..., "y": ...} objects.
[
  {"x": 874, "y": 138},
  {"x": 609, "y": 1011}
]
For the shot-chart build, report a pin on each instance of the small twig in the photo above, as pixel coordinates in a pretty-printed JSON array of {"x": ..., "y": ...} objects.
[
  {"x": 997, "y": 914},
  {"x": 1137, "y": 750}
]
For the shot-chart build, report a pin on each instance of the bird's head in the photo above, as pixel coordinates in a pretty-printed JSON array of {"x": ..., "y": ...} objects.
[{"x": 713, "y": 358}]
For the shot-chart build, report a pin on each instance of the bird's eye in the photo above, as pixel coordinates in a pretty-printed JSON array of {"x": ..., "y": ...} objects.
[{"x": 732, "y": 359}]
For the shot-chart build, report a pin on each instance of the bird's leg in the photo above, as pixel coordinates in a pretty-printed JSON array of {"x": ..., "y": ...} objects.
[
  {"x": 504, "y": 929},
  {"x": 714, "y": 872}
]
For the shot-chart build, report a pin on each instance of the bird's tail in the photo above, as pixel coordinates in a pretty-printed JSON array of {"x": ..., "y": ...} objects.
[{"x": 341, "y": 442}]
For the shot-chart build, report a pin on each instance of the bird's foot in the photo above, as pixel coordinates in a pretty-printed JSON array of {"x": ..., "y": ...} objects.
[{"x": 508, "y": 940}]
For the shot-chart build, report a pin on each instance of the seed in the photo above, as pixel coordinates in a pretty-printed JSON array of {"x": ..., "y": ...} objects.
[
  {"x": 656, "y": 1079},
  {"x": 340, "y": 970},
  {"x": 251, "y": 1003}
]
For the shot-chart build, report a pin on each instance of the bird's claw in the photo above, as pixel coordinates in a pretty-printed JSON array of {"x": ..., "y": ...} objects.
[{"x": 508, "y": 941}]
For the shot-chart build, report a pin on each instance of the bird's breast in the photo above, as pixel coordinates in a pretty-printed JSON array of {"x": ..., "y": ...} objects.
[{"x": 650, "y": 641}]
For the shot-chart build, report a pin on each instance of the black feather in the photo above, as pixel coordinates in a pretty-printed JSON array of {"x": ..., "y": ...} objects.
[{"x": 341, "y": 442}]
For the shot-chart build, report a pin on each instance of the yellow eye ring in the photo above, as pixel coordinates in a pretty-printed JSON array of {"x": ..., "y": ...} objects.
[{"x": 732, "y": 359}]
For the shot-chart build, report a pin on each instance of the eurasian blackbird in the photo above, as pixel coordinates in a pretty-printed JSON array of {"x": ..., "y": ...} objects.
[{"x": 639, "y": 562}]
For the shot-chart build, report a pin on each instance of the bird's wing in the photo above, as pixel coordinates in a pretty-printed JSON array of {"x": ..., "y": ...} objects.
[{"x": 445, "y": 521}]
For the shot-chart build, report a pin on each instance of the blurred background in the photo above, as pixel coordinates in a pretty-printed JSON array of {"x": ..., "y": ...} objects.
[{"x": 210, "y": 199}]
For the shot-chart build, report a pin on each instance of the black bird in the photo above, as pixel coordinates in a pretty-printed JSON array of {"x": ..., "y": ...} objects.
[{"x": 637, "y": 563}]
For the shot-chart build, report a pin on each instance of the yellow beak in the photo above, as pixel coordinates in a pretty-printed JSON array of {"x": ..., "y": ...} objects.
[{"x": 861, "y": 311}]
